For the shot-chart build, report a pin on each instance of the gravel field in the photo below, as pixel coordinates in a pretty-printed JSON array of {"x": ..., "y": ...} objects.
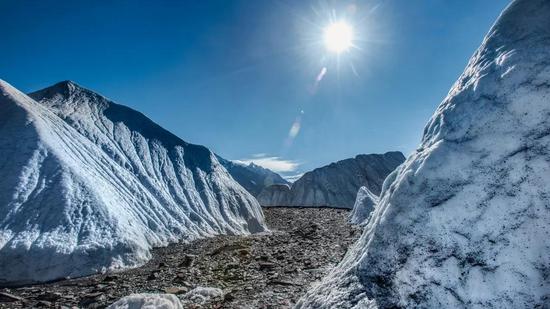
[{"x": 269, "y": 270}]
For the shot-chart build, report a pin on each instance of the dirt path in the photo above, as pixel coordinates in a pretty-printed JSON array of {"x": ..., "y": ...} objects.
[{"x": 259, "y": 271}]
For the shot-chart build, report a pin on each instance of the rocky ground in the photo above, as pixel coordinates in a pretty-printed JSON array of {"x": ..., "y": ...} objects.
[{"x": 259, "y": 271}]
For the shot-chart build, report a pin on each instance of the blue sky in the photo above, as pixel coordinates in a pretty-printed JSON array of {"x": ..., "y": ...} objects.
[{"x": 240, "y": 76}]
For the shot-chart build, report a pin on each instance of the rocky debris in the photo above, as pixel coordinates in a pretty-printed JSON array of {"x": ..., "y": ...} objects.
[
  {"x": 336, "y": 184},
  {"x": 266, "y": 266},
  {"x": 187, "y": 260},
  {"x": 92, "y": 300},
  {"x": 49, "y": 296},
  {"x": 153, "y": 276},
  {"x": 110, "y": 278},
  {"x": 270, "y": 270}
]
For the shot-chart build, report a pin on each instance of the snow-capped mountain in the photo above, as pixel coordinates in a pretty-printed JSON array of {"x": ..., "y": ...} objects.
[
  {"x": 464, "y": 222},
  {"x": 252, "y": 177},
  {"x": 336, "y": 184},
  {"x": 364, "y": 205},
  {"x": 89, "y": 185}
]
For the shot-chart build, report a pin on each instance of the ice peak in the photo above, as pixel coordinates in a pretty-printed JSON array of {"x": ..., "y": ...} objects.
[
  {"x": 63, "y": 89},
  {"x": 67, "y": 85}
]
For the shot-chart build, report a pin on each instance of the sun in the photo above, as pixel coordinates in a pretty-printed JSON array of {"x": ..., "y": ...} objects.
[{"x": 338, "y": 37}]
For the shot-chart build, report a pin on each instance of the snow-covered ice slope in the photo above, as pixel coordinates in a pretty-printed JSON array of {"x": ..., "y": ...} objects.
[
  {"x": 364, "y": 205},
  {"x": 336, "y": 184},
  {"x": 88, "y": 185},
  {"x": 275, "y": 195},
  {"x": 465, "y": 221}
]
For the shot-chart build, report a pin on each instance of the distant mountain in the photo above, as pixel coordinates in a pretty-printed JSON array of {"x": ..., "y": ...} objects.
[
  {"x": 89, "y": 185},
  {"x": 465, "y": 221},
  {"x": 252, "y": 177},
  {"x": 336, "y": 184}
]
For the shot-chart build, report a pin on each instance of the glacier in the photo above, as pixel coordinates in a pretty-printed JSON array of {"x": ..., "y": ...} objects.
[
  {"x": 91, "y": 186},
  {"x": 336, "y": 184},
  {"x": 275, "y": 195},
  {"x": 464, "y": 222}
]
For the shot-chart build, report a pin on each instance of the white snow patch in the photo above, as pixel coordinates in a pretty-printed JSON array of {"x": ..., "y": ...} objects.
[
  {"x": 148, "y": 301},
  {"x": 201, "y": 296}
]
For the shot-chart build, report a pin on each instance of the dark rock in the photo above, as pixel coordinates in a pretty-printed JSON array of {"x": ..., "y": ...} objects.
[
  {"x": 244, "y": 252},
  {"x": 153, "y": 276},
  {"x": 44, "y": 303},
  {"x": 162, "y": 265},
  {"x": 266, "y": 265},
  {"x": 187, "y": 260},
  {"x": 49, "y": 296},
  {"x": 92, "y": 300},
  {"x": 228, "y": 297},
  {"x": 110, "y": 278},
  {"x": 281, "y": 282}
]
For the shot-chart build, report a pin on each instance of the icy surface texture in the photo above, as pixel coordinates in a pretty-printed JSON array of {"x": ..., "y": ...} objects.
[
  {"x": 89, "y": 186},
  {"x": 464, "y": 222},
  {"x": 363, "y": 207}
]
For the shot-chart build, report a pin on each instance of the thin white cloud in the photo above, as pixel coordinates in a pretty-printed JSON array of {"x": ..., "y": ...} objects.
[{"x": 276, "y": 164}]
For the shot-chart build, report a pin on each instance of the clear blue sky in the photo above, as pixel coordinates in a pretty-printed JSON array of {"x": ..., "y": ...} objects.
[{"x": 236, "y": 75}]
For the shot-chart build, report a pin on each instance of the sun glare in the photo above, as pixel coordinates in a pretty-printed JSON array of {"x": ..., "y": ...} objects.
[{"x": 338, "y": 37}]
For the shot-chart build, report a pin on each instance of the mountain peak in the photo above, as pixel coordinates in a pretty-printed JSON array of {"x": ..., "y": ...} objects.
[
  {"x": 64, "y": 89},
  {"x": 67, "y": 84}
]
